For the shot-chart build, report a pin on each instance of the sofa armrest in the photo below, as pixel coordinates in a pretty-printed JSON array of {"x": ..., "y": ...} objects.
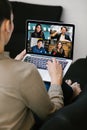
[
  {"x": 71, "y": 117},
  {"x": 78, "y": 72}
]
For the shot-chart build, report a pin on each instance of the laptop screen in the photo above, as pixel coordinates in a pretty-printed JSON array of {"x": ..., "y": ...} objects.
[{"x": 50, "y": 38}]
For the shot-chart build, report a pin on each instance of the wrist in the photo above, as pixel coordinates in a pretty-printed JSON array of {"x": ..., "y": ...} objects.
[{"x": 57, "y": 81}]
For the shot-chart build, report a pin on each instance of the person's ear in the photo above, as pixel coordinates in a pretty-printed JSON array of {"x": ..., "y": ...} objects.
[{"x": 7, "y": 26}]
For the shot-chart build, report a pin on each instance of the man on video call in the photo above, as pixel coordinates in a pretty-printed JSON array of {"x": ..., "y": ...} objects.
[{"x": 39, "y": 47}]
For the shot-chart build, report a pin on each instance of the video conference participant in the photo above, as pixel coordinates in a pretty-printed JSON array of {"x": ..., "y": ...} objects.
[
  {"x": 62, "y": 35},
  {"x": 58, "y": 50},
  {"x": 39, "y": 47},
  {"x": 38, "y": 33}
]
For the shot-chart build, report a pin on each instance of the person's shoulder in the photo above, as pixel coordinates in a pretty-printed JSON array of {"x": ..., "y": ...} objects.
[
  {"x": 34, "y": 46},
  {"x": 32, "y": 34},
  {"x": 22, "y": 64}
]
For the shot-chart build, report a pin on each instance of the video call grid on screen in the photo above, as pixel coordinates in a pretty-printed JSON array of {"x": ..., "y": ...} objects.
[{"x": 49, "y": 41}]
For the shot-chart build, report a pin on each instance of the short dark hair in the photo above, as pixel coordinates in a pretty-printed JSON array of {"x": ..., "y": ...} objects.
[
  {"x": 40, "y": 40},
  {"x": 64, "y": 27},
  {"x": 5, "y": 10}
]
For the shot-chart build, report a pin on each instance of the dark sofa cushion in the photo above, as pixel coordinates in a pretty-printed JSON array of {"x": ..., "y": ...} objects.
[
  {"x": 23, "y": 11},
  {"x": 16, "y": 44}
]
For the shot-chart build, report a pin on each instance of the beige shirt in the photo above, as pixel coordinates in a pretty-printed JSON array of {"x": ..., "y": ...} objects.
[{"x": 23, "y": 91}]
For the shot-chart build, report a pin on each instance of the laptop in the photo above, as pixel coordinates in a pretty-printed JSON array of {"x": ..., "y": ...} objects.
[{"x": 42, "y": 39}]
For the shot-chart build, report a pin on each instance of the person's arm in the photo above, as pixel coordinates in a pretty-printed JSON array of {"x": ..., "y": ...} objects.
[
  {"x": 54, "y": 34},
  {"x": 35, "y": 94},
  {"x": 55, "y": 92}
]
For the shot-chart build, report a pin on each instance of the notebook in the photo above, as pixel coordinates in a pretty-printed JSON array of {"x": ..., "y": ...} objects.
[{"x": 47, "y": 39}]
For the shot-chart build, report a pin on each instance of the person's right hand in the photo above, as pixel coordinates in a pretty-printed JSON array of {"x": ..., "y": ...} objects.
[{"x": 55, "y": 71}]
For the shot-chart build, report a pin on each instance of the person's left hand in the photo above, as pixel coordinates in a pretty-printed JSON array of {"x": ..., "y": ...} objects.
[{"x": 21, "y": 55}]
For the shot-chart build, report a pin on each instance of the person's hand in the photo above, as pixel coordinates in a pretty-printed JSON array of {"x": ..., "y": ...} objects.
[
  {"x": 21, "y": 55},
  {"x": 55, "y": 71}
]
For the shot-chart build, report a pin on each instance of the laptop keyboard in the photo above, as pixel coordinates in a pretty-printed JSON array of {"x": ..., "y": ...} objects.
[{"x": 41, "y": 62}]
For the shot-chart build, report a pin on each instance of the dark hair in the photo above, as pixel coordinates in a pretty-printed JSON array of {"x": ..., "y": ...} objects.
[
  {"x": 61, "y": 49},
  {"x": 5, "y": 10},
  {"x": 58, "y": 43},
  {"x": 64, "y": 27},
  {"x": 40, "y": 40},
  {"x": 37, "y": 26}
]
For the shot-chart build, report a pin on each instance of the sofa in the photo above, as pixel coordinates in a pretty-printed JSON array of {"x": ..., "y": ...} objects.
[{"x": 74, "y": 115}]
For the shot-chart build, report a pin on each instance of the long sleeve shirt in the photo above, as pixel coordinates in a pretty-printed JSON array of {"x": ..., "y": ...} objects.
[{"x": 22, "y": 92}]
